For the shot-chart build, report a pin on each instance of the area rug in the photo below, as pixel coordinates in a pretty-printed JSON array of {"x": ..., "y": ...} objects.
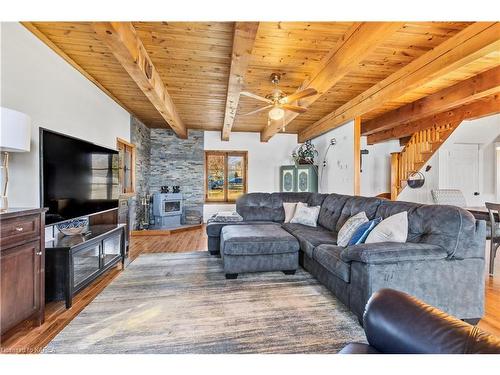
[{"x": 182, "y": 303}]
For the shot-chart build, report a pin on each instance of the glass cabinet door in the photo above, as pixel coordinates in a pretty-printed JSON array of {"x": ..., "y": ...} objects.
[
  {"x": 85, "y": 263},
  {"x": 111, "y": 248}
]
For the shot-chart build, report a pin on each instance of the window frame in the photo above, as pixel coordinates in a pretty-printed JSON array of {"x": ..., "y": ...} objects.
[
  {"x": 226, "y": 154},
  {"x": 124, "y": 146}
]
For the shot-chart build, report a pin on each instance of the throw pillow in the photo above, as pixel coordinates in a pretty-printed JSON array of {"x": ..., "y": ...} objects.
[
  {"x": 349, "y": 227},
  {"x": 392, "y": 229},
  {"x": 289, "y": 210},
  {"x": 305, "y": 215},
  {"x": 363, "y": 231}
]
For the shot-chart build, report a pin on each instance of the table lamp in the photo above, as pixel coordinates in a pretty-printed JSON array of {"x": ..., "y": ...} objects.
[{"x": 15, "y": 136}]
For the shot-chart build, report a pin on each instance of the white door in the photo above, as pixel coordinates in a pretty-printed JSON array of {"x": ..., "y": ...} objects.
[{"x": 462, "y": 171}]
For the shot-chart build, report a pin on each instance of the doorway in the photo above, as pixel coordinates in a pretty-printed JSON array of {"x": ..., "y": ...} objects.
[{"x": 461, "y": 171}]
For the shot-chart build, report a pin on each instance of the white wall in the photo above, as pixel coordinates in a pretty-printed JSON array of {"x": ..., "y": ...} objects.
[
  {"x": 264, "y": 160},
  {"x": 482, "y": 132},
  {"x": 36, "y": 81},
  {"x": 497, "y": 169},
  {"x": 376, "y": 167},
  {"x": 338, "y": 175}
]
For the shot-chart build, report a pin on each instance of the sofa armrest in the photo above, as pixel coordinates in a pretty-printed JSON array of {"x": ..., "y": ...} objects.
[{"x": 390, "y": 252}]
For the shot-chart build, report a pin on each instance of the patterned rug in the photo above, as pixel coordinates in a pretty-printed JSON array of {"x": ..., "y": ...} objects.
[{"x": 182, "y": 303}]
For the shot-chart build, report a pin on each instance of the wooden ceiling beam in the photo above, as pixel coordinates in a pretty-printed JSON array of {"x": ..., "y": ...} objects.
[
  {"x": 477, "y": 87},
  {"x": 126, "y": 46},
  {"x": 472, "y": 43},
  {"x": 480, "y": 108},
  {"x": 356, "y": 44},
  {"x": 243, "y": 41}
]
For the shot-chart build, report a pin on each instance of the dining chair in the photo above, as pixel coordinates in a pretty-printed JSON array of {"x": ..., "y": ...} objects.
[
  {"x": 452, "y": 197},
  {"x": 493, "y": 233}
]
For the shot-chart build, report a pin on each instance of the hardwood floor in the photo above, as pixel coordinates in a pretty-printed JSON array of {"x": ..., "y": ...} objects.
[
  {"x": 491, "y": 319},
  {"x": 190, "y": 240},
  {"x": 33, "y": 340}
]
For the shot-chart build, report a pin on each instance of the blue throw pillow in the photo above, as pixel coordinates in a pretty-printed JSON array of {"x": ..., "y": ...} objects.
[{"x": 363, "y": 231}]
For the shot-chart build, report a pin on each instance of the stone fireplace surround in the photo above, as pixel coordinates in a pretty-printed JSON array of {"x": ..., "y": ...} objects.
[{"x": 164, "y": 159}]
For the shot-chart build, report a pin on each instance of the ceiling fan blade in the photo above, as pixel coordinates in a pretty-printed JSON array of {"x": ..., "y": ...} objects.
[
  {"x": 298, "y": 95},
  {"x": 257, "y": 97},
  {"x": 294, "y": 108},
  {"x": 257, "y": 110}
]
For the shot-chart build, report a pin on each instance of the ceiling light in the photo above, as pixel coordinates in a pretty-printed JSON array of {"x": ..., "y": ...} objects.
[{"x": 276, "y": 113}]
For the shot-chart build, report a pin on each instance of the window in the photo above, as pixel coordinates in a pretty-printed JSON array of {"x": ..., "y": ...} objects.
[
  {"x": 225, "y": 175},
  {"x": 127, "y": 166}
]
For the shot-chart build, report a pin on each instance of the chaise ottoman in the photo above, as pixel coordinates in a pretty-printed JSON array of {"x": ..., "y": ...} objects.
[{"x": 258, "y": 248}]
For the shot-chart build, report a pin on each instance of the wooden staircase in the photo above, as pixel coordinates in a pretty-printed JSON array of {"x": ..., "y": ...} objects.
[{"x": 416, "y": 153}]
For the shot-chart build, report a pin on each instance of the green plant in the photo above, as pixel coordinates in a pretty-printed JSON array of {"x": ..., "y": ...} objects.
[{"x": 305, "y": 154}]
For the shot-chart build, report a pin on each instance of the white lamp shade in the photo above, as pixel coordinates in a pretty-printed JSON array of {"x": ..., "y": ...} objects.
[{"x": 15, "y": 131}]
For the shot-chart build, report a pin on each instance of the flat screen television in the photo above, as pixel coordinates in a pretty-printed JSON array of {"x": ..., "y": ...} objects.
[{"x": 77, "y": 178}]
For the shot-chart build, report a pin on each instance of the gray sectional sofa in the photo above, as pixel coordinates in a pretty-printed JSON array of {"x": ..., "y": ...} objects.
[{"x": 442, "y": 262}]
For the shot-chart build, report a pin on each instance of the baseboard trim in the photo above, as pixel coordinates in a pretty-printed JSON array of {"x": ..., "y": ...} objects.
[{"x": 164, "y": 232}]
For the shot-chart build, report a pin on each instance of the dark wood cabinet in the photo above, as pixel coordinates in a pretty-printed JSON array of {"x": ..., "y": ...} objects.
[{"x": 22, "y": 268}]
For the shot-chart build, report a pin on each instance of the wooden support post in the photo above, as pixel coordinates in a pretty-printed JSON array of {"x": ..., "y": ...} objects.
[
  {"x": 394, "y": 175},
  {"x": 357, "y": 156}
]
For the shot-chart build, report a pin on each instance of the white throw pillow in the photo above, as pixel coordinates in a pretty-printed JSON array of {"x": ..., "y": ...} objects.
[
  {"x": 392, "y": 229},
  {"x": 349, "y": 227},
  {"x": 289, "y": 210},
  {"x": 305, "y": 215}
]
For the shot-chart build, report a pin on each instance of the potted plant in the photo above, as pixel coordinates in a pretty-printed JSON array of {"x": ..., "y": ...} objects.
[{"x": 305, "y": 154}]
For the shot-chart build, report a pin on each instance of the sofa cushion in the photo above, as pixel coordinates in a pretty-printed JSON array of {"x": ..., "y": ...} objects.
[
  {"x": 214, "y": 228},
  {"x": 391, "y": 252},
  {"x": 354, "y": 205},
  {"x": 260, "y": 207},
  {"x": 452, "y": 228},
  {"x": 331, "y": 210},
  {"x": 329, "y": 257},
  {"x": 310, "y": 237},
  {"x": 257, "y": 240},
  {"x": 389, "y": 208},
  {"x": 316, "y": 199}
]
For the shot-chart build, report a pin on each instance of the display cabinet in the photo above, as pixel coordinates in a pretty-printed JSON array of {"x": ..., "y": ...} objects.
[{"x": 301, "y": 178}]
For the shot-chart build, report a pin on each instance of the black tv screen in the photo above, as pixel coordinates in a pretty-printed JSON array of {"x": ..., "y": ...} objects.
[{"x": 78, "y": 178}]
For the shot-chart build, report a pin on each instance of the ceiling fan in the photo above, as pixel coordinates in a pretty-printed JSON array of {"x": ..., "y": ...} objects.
[{"x": 278, "y": 101}]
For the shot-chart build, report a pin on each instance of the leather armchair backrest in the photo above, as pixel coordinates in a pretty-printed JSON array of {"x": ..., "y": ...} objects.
[{"x": 398, "y": 323}]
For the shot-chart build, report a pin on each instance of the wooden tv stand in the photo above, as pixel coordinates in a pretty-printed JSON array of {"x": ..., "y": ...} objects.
[{"x": 73, "y": 262}]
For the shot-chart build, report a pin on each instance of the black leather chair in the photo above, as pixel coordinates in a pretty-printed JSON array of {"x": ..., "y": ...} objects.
[{"x": 397, "y": 323}]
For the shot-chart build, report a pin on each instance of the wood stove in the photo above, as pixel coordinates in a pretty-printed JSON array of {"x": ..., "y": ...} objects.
[{"x": 167, "y": 210}]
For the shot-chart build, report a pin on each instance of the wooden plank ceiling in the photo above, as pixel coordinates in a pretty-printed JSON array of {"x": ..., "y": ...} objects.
[{"x": 194, "y": 59}]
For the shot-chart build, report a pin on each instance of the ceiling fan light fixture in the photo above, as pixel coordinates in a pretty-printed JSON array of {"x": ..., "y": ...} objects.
[{"x": 276, "y": 113}]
